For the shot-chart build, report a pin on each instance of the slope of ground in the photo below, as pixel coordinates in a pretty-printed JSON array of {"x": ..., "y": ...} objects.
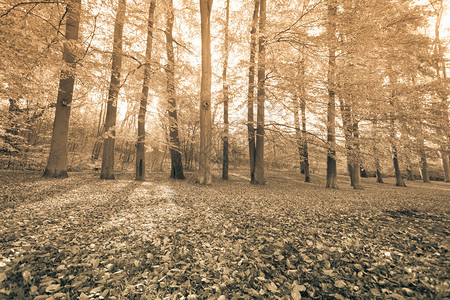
[{"x": 84, "y": 238}]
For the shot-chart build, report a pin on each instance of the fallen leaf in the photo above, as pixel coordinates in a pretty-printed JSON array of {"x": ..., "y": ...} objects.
[
  {"x": 83, "y": 296},
  {"x": 339, "y": 284},
  {"x": 52, "y": 288}
]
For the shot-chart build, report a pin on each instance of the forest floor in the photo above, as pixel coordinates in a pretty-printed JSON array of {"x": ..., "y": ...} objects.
[{"x": 86, "y": 238}]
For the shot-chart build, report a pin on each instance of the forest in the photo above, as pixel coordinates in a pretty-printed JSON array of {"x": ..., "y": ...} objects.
[
  {"x": 259, "y": 149},
  {"x": 323, "y": 87}
]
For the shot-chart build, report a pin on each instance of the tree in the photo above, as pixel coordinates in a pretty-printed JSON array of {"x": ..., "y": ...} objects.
[
  {"x": 140, "y": 146},
  {"x": 176, "y": 170},
  {"x": 259, "y": 149},
  {"x": 300, "y": 129},
  {"x": 331, "y": 106},
  {"x": 57, "y": 160},
  {"x": 398, "y": 174},
  {"x": 441, "y": 75},
  {"x": 204, "y": 174},
  {"x": 351, "y": 144},
  {"x": 251, "y": 92},
  {"x": 375, "y": 149},
  {"x": 225, "y": 95},
  {"x": 113, "y": 95}
]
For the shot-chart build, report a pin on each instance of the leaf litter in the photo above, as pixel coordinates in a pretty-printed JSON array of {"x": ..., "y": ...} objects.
[{"x": 83, "y": 238}]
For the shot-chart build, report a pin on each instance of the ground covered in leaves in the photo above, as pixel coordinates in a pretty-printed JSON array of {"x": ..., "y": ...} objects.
[{"x": 84, "y": 238}]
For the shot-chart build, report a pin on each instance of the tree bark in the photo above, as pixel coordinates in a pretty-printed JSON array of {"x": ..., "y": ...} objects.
[
  {"x": 251, "y": 93},
  {"x": 57, "y": 160},
  {"x": 176, "y": 170},
  {"x": 204, "y": 174},
  {"x": 331, "y": 107},
  {"x": 259, "y": 150},
  {"x": 225, "y": 159},
  {"x": 114, "y": 87},
  {"x": 140, "y": 145}
]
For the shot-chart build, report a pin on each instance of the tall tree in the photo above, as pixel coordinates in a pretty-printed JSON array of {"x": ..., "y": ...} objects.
[
  {"x": 204, "y": 173},
  {"x": 251, "y": 92},
  {"x": 347, "y": 124},
  {"x": 305, "y": 153},
  {"x": 259, "y": 149},
  {"x": 331, "y": 107},
  {"x": 398, "y": 174},
  {"x": 176, "y": 170},
  {"x": 140, "y": 146},
  {"x": 423, "y": 155},
  {"x": 225, "y": 95},
  {"x": 113, "y": 95},
  {"x": 376, "y": 155},
  {"x": 300, "y": 129},
  {"x": 441, "y": 74},
  {"x": 57, "y": 160}
]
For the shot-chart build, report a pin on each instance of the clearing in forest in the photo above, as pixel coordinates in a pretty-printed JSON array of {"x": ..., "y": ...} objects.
[{"x": 84, "y": 238}]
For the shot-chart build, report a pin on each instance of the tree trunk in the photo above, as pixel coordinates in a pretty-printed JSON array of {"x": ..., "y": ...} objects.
[
  {"x": 140, "y": 145},
  {"x": 225, "y": 97},
  {"x": 298, "y": 133},
  {"x": 303, "y": 146},
  {"x": 114, "y": 87},
  {"x": 446, "y": 165},
  {"x": 259, "y": 149},
  {"x": 348, "y": 134},
  {"x": 100, "y": 129},
  {"x": 424, "y": 164},
  {"x": 176, "y": 170},
  {"x": 204, "y": 174},
  {"x": 356, "y": 165},
  {"x": 379, "y": 173},
  {"x": 440, "y": 65},
  {"x": 57, "y": 160},
  {"x": 398, "y": 175},
  {"x": 305, "y": 140},
  {"x": 409, "y": 172},
  {"x": 331, "y": 107},
  {"x": 251, "y": 93}
]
